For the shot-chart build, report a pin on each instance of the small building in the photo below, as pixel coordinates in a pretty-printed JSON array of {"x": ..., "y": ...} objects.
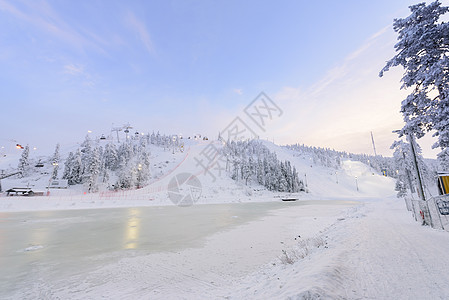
[
  {"x": 58, "y": 184},
  {"x": 27, "y": 192}
]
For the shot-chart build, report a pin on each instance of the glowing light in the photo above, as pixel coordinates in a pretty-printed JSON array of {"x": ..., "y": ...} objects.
[{"x": 132, "y": 229}]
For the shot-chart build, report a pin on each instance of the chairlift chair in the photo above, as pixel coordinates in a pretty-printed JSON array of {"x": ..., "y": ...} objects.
[{"x": 39, "y": 164}]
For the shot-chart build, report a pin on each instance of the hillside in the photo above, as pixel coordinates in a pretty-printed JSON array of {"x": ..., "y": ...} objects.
[{"x": 351, "y": 179}]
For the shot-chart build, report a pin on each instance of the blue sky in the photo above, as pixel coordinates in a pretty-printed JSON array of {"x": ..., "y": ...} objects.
[{"x": 192, "y": 66}]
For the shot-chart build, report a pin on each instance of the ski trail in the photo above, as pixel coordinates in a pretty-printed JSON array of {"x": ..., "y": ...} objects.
[{"x": 389, "y": 256}]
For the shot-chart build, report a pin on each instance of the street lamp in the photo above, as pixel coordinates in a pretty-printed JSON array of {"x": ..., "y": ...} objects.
[{"x": 174, "y": 140}]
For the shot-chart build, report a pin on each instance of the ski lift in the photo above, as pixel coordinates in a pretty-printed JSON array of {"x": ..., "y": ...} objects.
[
  {"x": 136, "y": 133},
  {"x": 39, "y": 164},
  {"x": 18, "y": 146},
  {"x": 102, "y": 137}
]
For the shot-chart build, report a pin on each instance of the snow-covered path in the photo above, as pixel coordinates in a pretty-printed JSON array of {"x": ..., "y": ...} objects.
[
  {"x": 389, "y": 256},
  {"x": 377, "y": 251}
]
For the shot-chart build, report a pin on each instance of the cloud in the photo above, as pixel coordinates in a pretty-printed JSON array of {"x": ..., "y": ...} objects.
[
  {"x": 139, "y": 27},
  {"x": 238, "y": 91},
  {"x": 41, "y": 15},
  {"x": 73, "y": 69},
  {"x": 78, "y": 72},
  {"x": 350, "y": 101},
  {"x": 341, "y": 70}
]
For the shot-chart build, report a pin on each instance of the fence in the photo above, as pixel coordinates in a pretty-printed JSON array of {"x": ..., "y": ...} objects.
[{"x": 433, "y": 212}]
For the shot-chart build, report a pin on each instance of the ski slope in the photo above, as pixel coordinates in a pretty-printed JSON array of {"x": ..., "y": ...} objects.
[{"x": 216, "y": 185}]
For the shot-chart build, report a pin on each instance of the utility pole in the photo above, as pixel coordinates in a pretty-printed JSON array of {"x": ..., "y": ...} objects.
[
  {"x": 116, "y": 129},
  {"x": 374, "y": 146},
  {"x": 411, "y": 139}
]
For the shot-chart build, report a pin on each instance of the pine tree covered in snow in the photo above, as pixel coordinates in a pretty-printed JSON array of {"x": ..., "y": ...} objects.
[
  {"x": 121, "y": 165},
  {"x": 68, "y": 167},
  {"x": 86, "y": 157},
  {"x": 405, "y": 167},
  {"x": 55, "y": 162},
  {"x": 110, "y": 157},
  {"x": 401, "y": 189},
  {"x": 76, "y": 169},
  {"x": 423, "y": 51},
  {"x": 94, "y": 170},
  {"x": 143, "y": 164},
  {"x": 253, "y": 162},
  {"x": 24, "y": 164},
  {"x": 127, "y": 176}
]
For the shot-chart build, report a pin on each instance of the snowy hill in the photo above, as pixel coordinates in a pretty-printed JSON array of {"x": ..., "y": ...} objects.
[
  {"x": 351, "y": 180},
  {"x": 333, "y": 183}
]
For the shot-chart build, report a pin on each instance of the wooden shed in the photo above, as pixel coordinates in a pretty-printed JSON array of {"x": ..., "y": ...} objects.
[{"x": 23, "y": 192}]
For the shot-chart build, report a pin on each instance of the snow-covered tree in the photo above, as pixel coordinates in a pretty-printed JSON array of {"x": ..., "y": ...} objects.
[
  {"x": 55, "y": 162},
  {"x": 24, "y": 163},
  {"x": 86, "y": 156},
  {"x": 443, "y": 159},
  {"x": 94, "y": 171},
  {"x": 423, "y": 51},
  {"x": 127, "y": 176},
  {"x": 110, "y": 157},
  {"x": 405, "y": 167},
  {"x": 125, "y": 153},
  {"x": 253, "y": 162},
  {"x": 76, "y": 170},
  {"x": 68, "y": 166},
  {"x": 401, "y": 189}
]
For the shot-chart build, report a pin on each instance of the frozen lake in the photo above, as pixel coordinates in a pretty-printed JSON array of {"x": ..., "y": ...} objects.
[{"x": 37, "y": 247}]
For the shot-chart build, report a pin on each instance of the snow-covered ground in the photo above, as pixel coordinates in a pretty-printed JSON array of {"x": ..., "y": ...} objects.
[
  {"x": 362, "y": 244},
  {"x": 367, "y": 250}
]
